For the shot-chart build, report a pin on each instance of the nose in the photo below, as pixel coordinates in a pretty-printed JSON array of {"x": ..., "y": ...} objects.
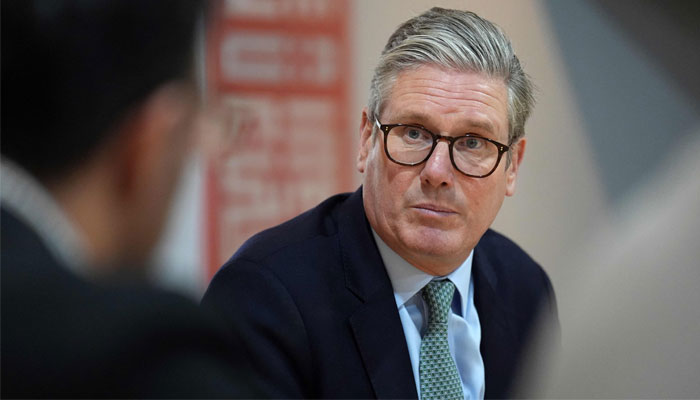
[{"x": 438, "y": 170}]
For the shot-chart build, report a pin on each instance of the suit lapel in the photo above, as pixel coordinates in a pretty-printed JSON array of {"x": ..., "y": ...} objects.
[
  {"x": 375, "y": 324},
  {"x": 497, "y": 337},
  {"x": 381, "y": 342}
]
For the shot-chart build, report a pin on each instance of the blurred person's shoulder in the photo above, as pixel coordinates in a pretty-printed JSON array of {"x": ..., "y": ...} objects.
[{"x": 64, "y": 335}]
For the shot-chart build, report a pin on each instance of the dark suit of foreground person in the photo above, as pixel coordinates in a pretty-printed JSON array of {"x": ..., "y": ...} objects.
[
  {"x": 401, "y": 289},
  {"x": 98, "y": 106},
  {"x": 63, "y": 336}
]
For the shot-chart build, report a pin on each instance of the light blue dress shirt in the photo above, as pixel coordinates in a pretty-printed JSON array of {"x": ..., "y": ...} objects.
[{"x": 464, "y": 329}]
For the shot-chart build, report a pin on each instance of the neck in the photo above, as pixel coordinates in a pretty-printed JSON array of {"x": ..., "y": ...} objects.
[
  {"x": 435, "y": 267},
  {"x": 85, "y": 198}
]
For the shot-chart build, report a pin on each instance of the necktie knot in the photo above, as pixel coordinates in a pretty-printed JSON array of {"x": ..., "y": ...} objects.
[{"x": 438, "y": 297}]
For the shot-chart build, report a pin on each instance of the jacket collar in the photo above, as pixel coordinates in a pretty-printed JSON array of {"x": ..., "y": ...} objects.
[
  {"x": 365, "y": 274},
  {"x": 376, "y": 323}
]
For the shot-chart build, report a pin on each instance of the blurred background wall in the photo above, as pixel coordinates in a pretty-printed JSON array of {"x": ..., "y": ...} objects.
[{"x": 608, "y": 147}]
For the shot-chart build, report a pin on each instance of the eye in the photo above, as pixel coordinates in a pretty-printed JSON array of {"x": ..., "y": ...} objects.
[
  {"x": 473, "y": 144},
  {"x": 414, "y": 133}
]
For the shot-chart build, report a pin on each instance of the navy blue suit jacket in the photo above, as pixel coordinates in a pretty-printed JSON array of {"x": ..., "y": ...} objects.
[
  {"x": 314, "y": 307},
  {"x": 66, "y": 337}
]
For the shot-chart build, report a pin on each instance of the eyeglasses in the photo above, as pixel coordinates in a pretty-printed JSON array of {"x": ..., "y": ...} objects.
[{"x": 471, "y": 155}]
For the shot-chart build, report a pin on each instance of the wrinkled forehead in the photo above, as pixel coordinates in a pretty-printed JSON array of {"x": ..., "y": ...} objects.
[
  {"x": 459, "y": 100},
  {"x": 387, "y": 84}
]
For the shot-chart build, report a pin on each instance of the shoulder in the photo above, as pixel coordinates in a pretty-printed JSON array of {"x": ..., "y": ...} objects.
[
  {"x": 515, "y": 275},
  {"x": 102, "y": 338},
  {"x": 162, "y": 344},
  {"x": 499, "y": 250},
  {"x": 137, "y": 305},
  {"x": 131, "y": 340},
  {"x": 298, "y": 260},
  {"x": 320, "y": 221}
]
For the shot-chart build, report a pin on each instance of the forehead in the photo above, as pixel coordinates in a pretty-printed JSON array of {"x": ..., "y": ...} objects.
[{"x": 449, "y": 101}]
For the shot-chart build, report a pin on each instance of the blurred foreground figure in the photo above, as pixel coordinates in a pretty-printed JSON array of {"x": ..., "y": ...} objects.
[
  {"x": 400, "y": 289},
  {"x": 98, "y": 106},
  {"x": 637, "y": 328}
]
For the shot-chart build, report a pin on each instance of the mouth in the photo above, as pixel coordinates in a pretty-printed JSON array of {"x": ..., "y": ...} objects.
[{"x": 433, "y": 209}]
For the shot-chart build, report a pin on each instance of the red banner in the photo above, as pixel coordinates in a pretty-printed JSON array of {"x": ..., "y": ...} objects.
[{"x": 280, "y": 69}]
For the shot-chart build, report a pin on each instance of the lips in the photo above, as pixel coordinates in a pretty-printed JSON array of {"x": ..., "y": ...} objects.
[{"x": 433, "y": 208}]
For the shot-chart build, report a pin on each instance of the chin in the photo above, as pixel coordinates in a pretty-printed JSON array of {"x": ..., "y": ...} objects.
[{"x": 434, "y": 243}]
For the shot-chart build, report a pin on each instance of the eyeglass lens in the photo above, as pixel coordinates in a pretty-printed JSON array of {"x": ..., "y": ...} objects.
[{"x": 412, "y": 145}]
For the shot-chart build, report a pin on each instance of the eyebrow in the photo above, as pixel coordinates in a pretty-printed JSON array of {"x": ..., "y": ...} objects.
[{"x": 421, "y": 118}]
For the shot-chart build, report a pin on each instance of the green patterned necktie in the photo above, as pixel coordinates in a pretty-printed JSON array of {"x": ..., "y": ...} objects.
[{"x": 439, "y": 378}]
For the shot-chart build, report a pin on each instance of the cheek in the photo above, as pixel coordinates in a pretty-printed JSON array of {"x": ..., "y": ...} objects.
[
  {"x": 387, "y": 184},
  {"x": 484, "y": 199}
]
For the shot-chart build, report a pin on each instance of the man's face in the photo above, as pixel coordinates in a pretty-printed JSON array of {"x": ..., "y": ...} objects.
[{"x": 431, "y": 214}]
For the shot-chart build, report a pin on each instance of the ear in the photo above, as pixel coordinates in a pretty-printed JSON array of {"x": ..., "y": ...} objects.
[
  {"x": 518, "y": 151},
  {"x": 366, "y": 142},
  {"x": 153, "y": 137},
  {"x": 153, "y": 142}
]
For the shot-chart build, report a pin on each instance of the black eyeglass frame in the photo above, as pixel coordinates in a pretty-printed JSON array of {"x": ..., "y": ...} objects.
[{"x": 502, "y": 148}]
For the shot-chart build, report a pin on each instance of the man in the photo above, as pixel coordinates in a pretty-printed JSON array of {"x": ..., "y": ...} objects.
[
  {"x": 400, "y": 289},
  {"x": 98, "y": 106}
]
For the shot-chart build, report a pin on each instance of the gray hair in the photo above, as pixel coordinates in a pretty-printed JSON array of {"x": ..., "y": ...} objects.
[{"x": 456, "y": 40}]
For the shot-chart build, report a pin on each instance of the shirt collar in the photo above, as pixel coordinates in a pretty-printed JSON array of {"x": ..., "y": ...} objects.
[
  {"x": 408, "y": 280},
  {"x": 28, "y": 200}
]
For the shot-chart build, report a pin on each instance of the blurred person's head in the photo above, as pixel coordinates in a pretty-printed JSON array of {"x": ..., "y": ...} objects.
[
  {"x": 449, "y": 73},
  {"x": 98, "y": 103}
]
